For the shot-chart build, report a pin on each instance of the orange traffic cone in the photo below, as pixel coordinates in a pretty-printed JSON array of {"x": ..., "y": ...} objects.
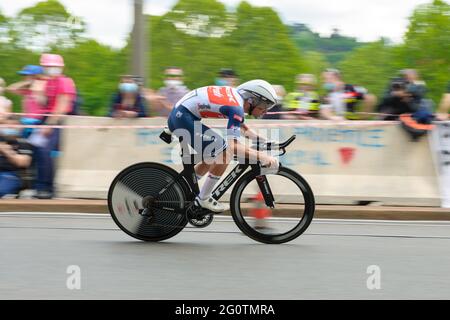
[{"x": 260, "y": 211}]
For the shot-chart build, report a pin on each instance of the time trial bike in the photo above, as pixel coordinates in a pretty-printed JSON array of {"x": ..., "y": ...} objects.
[{"x": 152, "y": 202}]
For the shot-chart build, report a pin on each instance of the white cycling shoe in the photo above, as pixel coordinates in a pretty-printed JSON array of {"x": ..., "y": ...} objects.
[{"x": 212, "y": 205}]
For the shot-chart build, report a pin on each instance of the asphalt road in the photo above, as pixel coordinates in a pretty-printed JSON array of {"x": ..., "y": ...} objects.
[{"x": 330, "y": 261}]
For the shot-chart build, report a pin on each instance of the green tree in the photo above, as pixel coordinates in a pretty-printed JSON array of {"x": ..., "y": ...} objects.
[
  {"x": 371, "y": 66},
  {"x": 316, "y": 62},
  {"x": 335, "y": 48},
  {"x": 96, "y": 70},
  {"x": 252, "y": 40},
  {"x": 427, "y": 45},
  {"x": 261, "y": 47},
  {"x": 45, "y": 26},
  {"x": 4, "y": 28},
  {"x": 11, "y": 61},
  {"x": 192, "y": 36},
  {"x": 203, "y": 18}
]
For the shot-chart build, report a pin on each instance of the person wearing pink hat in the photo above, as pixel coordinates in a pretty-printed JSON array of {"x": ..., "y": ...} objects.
[{"x": 60, "y": 92}]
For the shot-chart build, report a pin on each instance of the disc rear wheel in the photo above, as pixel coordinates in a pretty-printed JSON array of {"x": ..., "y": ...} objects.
[{"x": 137, "y": 207}]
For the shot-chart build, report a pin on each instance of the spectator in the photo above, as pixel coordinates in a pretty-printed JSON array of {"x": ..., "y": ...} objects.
[
  {"x": 5, "y": 104},
  {"x": 444, "y": 107},
  {"x": 32, "y": 88},
  {"x": 128, "y": 102},
  {"x": 341, "y": 100},
  {"x": 174, "y": 88},
  {"x": 227, "y": 77},
  {"x": 15, "y": 154},
  {"x": 60, "y": 93},
  {"x": 404, "y": 95},
  {"x": 279, "y": 107},
  {"x": 305, "y": 99},
  {"x": 162, "y": 102}
]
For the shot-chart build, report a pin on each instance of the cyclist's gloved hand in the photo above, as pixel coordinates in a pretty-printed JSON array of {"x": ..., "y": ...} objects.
[{"x": 270, "y": 167}]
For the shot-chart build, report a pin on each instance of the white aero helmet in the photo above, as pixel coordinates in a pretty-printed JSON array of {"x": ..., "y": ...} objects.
[{"x": 258, "y": 93}]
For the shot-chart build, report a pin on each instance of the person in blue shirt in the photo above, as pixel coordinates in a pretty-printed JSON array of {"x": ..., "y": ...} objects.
[{"x": 128, "y": 102}]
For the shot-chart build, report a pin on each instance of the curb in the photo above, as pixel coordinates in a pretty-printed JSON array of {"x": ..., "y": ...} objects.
[{"x": 322, "y": 211}]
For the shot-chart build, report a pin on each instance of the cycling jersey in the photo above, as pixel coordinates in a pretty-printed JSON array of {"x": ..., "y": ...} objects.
[
  {"x": 207, "y": 102},
  {"x": 216, "y": 102}
]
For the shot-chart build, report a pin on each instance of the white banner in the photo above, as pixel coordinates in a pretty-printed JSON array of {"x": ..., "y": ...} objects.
[{"x": 441, "y": 150}]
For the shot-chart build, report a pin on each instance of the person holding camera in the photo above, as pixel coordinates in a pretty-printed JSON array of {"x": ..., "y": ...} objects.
[
  {"x": 405, "y": 95},
  {"x": 15, "y": 154}
]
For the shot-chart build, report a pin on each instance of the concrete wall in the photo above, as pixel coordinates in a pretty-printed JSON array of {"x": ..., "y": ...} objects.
[{"x": 343, "y": 162}]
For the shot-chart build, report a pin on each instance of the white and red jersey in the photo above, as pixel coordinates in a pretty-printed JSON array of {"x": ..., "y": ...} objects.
[{"x": 214, "y": 102}]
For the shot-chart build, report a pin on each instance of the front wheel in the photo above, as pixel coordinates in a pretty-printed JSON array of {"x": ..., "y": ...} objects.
[{"x": 292, "y": 211}]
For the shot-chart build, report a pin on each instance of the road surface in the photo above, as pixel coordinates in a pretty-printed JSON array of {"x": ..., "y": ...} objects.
[{"x": 330, "y": 261}]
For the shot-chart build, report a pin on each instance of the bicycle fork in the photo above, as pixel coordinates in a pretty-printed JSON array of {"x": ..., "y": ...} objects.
[{"x": 266, "y": 191}]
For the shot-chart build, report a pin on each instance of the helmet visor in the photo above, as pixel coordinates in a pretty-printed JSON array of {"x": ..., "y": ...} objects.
[
  {"x": 263, "y": 103},
  {"x": 258, "y": 101}
]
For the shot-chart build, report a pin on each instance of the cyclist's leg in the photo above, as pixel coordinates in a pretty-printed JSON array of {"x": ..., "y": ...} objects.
[
  {"x": 214, "y": 156},
  {"x": 209, "y": 147},
  {"x": 217, "y": 168},
  {"x": 202, "y": 169},
  {"x": 216, "y": 171}
]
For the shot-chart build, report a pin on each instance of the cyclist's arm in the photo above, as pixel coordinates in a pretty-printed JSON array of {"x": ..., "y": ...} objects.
[
  {"x": 235, "y": 125},
  {"x": 246, "y": 152},
  {"x": 251, "y": 134}
]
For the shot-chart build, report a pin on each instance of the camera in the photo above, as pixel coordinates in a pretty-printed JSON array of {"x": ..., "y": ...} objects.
[{"x": 399, "y": 84}]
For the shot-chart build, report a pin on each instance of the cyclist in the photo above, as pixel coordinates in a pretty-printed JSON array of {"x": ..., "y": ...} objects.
[{"x": 255, "y": 98}]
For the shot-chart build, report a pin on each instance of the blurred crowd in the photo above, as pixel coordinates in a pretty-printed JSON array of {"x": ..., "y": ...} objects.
[
  {"x": 327, "y": 98},
  {"x": 27, "y": 156}
]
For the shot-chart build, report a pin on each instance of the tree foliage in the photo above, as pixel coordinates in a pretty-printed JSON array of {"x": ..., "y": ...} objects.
[
  {"x": 334, "y": 48},
  {"x": 316, "y": 62},
  {"x": 370, "y": 66},
  {"x": 45, "y": 26},
  {"x": 427, "y": 44},
  {"x": 426, "y": 48},
  {"x": 252, "y": 40},
  {"x": 202, "y": 36},
  {"x": 96, "y": 69}
]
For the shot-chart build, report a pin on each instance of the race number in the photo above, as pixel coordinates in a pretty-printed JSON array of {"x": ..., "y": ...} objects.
[{"x": 222, "y": 96}]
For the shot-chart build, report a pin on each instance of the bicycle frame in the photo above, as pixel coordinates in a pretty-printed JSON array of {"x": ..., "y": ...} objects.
[{"x": 188, "y": 174}]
